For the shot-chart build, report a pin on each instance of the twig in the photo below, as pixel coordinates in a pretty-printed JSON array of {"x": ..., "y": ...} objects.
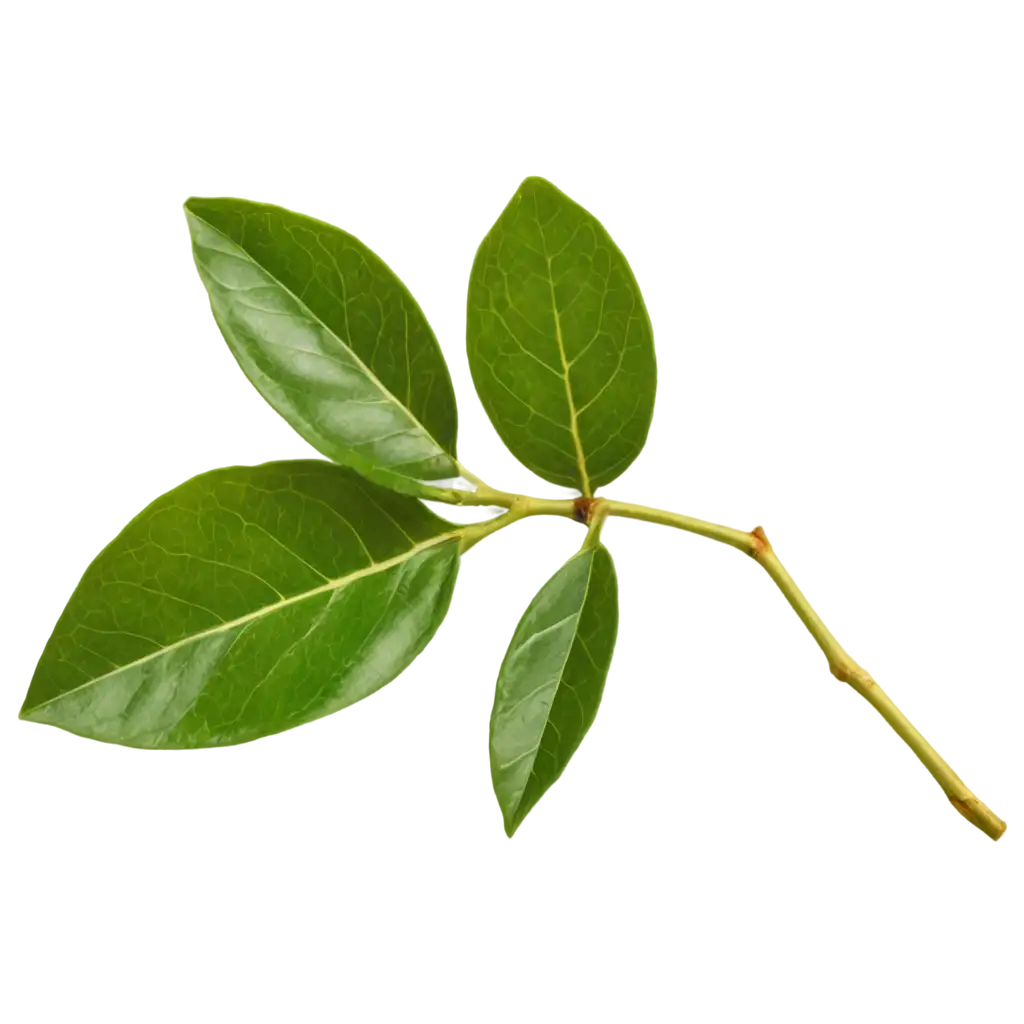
[{"x": 968, "y": 804}]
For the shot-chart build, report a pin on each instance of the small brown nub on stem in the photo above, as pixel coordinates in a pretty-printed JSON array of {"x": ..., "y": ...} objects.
[
  {"x": 840, "y": 671},
  {"x": 963, "y": 808},
  {"x": 583, "y": 509},
  {"x": 759, "y": 543}
]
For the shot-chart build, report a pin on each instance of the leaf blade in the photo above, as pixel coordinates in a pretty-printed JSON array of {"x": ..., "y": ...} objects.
[
  {"x": 246, "y": 601},
  {"x": 551, "y": 681},
  {"x": 559, "y": 342},
  {"x": 330, "y": 337}
]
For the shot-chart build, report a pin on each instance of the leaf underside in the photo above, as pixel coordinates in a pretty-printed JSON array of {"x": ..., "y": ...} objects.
[
  {"x": 551, "y": 681},
  {"x": 560, "y": 345},
  {"x": 330, "y": 337},
  {"x": 246, "y": 601}
]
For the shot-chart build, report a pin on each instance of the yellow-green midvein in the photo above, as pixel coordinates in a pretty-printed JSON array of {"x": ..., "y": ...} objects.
[
  {"x": 581, "y": 461},
  {"x": 269, "y": 609}
]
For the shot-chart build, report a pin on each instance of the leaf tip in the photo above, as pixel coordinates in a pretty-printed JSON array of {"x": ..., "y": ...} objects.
[
  {"x": 539, "y": 180},
  {"x": 26, "y": 718},
  {"x": 197, "y": 206},
  {"x": 190, "y": 201},
  {"x": 508, "y": 198},
  {"x": 534, "y": 178},
  {"x": 86, "y": 563},
  {"x": 515, "y": 816}
]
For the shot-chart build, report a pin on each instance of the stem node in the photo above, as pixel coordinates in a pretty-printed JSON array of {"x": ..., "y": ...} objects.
[
  {"x": 583, "y": 509},
  {"x": 839, "y": 671},
  {"x": 759, "y": 544}
]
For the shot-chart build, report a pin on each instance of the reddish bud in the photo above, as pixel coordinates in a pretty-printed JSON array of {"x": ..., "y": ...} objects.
[
  {"x": 963, "y": 809},
  {"x": 760, "y": 542},
  {"x": 583, "y": 510}
]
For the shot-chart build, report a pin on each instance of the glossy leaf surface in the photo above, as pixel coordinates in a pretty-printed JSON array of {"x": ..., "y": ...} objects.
[
  {"x": 560, "y": 345},
  {"x": 330, "y": 337},
  {"x": 551, "y": 681},
  {"x": 246, "y": 601}
]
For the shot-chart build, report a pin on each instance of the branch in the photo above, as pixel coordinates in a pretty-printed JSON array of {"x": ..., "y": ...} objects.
[{"x": 968, "y": 804}]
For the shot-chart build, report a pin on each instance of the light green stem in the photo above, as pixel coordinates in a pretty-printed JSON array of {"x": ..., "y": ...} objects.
[
  {"x": 519, "y": 507},
  {"x": 476, "y": 532},
  {"x": 755, "y": 544},
  {"x": 492, "y": 499},
  {"x": 842, "y": 666}
]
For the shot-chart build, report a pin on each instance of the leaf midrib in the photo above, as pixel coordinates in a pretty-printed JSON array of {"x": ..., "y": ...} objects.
[
  {"x": 223, "y": 627},
  {"x": 581, "y": 461},
  {"x": 558, "y": 685},
  {"x": 348, "y": 348}
]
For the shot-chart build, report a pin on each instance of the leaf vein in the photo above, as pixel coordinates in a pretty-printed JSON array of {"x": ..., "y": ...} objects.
[{"x": 332, "y": 585}]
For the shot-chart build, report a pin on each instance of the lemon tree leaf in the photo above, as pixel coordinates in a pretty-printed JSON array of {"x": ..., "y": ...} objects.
[
  {"x": 560, "y": 345},
  {"x": 551, "y": 681},
  {"x": 246, "y": 601},
  {"x": 330, "y": 337}
]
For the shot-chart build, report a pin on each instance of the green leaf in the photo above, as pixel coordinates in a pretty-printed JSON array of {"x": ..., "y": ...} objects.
[
  {"x": 551, "y": 681},
  {"x": 246, "y": 601},
  {"x": 330, "y": 337},
  {"x": 560, "y": 344}
]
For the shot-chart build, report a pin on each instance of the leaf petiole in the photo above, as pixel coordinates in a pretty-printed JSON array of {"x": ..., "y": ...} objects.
[
  {"x": 476, "y": 532},
  {"x": 493, "y": 499},
  {"x": 597, "y": 512}
]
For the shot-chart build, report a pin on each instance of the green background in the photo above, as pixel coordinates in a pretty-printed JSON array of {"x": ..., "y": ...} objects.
[{"x": 313, "y": 880}]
